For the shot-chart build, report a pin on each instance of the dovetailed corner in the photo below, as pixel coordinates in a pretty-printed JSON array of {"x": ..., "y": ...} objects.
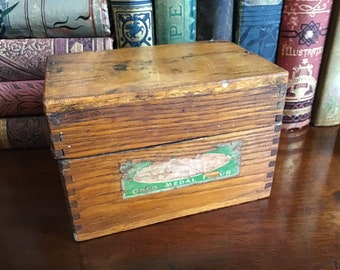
[
  {"x": 71, "y": 192},
  {"x": 73, "y": 204},
  {"x": 57, "y": 137},
  {"x": 277, "y": 128},
  {"x": 76, "y": 216},
  {"x": 278, "y": 118},
  {"x": 273, "y": 152},
  {"x": 60, "y": 153},
  {"x": 280, "y": 105},
  {"x": 276, "y": 141},
  {"x": 268, "y": 185},
  {"x": 270, "y": 175},
  {"x": 68, "y": 179},
  {"x": 282, "y": 90}
]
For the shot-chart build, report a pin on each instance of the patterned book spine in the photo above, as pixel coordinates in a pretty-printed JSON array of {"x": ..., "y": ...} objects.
[
  {"x": 25, "y": 59},
  {"x": 21, "y": 98},
  {"x": 326, "y": 110},
  {"x": 132, "y": 22},
  {"x": 50, "y": 18},
  {"x": 257, "y": 25},
  {"x": 303, "y": 31},
  {"x": 175, "y": 21},
  {"x": 215, "y": 19},
  {"x": 24, "y": 132}
]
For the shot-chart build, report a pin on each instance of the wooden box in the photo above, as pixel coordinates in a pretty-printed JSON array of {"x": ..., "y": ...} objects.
[{"x": 149, "y": 134}]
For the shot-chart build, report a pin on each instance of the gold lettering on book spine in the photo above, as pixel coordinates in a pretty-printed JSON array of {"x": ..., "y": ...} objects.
[{"x": 4, "y": 143}]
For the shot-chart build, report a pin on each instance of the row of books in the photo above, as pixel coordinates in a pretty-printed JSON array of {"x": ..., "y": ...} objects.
[{"x": 290, "y": 33}]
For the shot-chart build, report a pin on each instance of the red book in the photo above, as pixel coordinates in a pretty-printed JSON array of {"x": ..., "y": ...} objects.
[
  {"x": 302, "y": 37},
  {"x": 21, "y": 98},
  {"x": 25, "y": 59},
  {"x": 24, "y": 132}
]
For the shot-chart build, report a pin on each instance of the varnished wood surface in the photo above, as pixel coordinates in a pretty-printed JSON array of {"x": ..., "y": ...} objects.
[{"x": 298, "y": 227}]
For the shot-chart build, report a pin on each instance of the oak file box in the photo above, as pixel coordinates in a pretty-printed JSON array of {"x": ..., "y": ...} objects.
[{"x": 145, "y": 135}]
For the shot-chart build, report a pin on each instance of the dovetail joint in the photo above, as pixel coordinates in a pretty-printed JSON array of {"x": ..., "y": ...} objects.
[
  {"x": 268, "y": 185},
  {"x": 270, "y": 174}
]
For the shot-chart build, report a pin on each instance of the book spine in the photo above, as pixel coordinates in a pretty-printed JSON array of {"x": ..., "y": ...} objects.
[
  {"x": 326, "y": 109},
  {"x": 257, "y": 25},
  {"x": 132, "y": 22},
  {"x": 303, "y": 31},
  {"x": 175, "y": 21},
  {"x": 25, "y": 59},
  {"x": 214, "y": 19},
  {"x": 24, "y": 132},
  {"x": 21, "y": 98},
  {"x": 50, "y": 18}
]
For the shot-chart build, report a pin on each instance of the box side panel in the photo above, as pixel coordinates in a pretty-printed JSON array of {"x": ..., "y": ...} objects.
[
  {"x": 95, "y": 185},
  {"x": 240, "y": 106}
]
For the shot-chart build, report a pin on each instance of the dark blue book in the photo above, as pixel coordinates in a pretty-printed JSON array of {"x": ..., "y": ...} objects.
[
  {"x": 214, "y": 19},
  {"x": 132, "y": 22},
  {"x": 256, "y": 26}
]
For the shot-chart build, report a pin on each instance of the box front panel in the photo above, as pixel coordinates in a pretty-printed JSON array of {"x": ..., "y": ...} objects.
[{"x": 121, "y": 191}]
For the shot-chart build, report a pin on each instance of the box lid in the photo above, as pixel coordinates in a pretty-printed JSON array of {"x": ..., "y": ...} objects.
[{"x": 108, "y": 101}]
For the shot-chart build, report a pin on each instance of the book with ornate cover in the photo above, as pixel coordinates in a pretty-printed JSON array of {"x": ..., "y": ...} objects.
[
  {"x": 51, "y": 18},
  {"x": 132, "y": 22},
  {"x": 25, "y": 59},
  {"x": 326, "y": 108},
  {"x": 175, "y": 21},
  {"x": 256, "y": 26},
  {"x": 24, "y": 132},
  {"x": 214, "y": 20},
  {"x": 302, "y": 36},
  {"x": 21, "y": 98}
]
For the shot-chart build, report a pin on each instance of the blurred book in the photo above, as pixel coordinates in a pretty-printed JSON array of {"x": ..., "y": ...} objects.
[
  {"x": 326, "y": 109},
  {"x": 25, "y": 59},
  {"x": 302, "y": 36},
  {"x": 214, "y": 20},
  {"x": 175, "y": 21},
  {"x": 256, "y": 26},
  {"x": 24, "y": 132},
  {"x": 132, "y": 22},
  {"x": 21, "y": 98},
  {"x": 52, "y": 19}
]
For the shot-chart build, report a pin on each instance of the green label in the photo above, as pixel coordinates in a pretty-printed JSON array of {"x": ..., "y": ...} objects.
[{"x": 148, "y": 177}]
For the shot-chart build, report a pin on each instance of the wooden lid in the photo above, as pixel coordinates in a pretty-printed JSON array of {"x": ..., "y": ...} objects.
[{"x": 135, "y": 74}]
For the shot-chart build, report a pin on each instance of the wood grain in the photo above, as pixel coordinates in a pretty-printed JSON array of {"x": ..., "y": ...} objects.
[
  {"x": 94, "y": 189},
  {"x": 164, "y": 105},
  {"x": 216, "y": 85}
]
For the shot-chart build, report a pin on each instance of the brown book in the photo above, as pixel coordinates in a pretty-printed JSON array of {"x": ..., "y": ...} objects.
[
  {"x": 25, "y": 59},
  {"x": 326, "y": 110},
  {"x": 24, "y": 132},
  {"x": 21, "y": 98},
  {"x": 302, "y": 35}
]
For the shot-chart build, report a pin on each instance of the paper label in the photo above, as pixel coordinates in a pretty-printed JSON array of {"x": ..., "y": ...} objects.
[{"x": 149, "y": 177}]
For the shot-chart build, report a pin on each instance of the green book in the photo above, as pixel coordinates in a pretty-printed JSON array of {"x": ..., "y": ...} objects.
[
  {"x": 53, "y": 19},
  {"x": 326, "y": 110},
  {"x": 175, "y": 21}
]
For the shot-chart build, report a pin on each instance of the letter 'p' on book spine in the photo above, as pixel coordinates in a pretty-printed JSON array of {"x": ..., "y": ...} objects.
[{"x": 175, "y": 21}]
